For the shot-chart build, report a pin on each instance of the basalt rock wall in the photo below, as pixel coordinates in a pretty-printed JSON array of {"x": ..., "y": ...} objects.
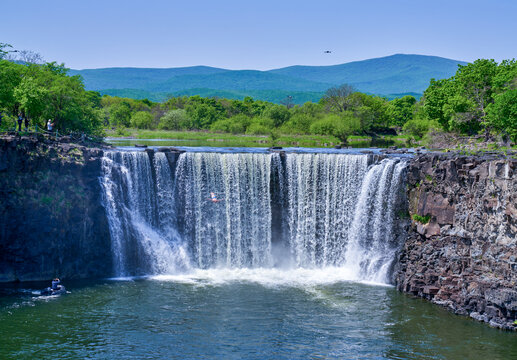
[
  {"x": 52, "y": 222},
  {"x": 461, "y": 249}
]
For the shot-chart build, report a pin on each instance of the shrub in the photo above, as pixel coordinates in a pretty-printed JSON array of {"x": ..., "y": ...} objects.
[
  {"x": 325, "y": 126},
  {"x": 142, "y": 120},
  {"x": 339, "y": 126},
  {"x": 419, "y": 127},
  {"x": 236, "y": 124},
  {"x": 278, "y": 113},
  {"x": 503, "y": 113},
  {"x": 120, "y": 114},
  {"x": 298, "y": 124},
  {"x": 258, "y": 129},
  {"x": 175, "y": 120},
  {"x": 421, "y": 219}
]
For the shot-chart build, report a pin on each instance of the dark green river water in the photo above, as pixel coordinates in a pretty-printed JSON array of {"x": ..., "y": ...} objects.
[{"x": 234, "y": 314}]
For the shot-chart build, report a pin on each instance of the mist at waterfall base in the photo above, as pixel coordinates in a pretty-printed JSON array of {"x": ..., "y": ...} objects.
[{"x": 294, "y": 262}]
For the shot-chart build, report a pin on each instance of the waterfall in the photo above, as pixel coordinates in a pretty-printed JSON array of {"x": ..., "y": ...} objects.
[
  {"x": 171, "y": 212},
  {"x": 322, "y": 192},
  {"x": 235, "y": 231},
  {"x": 141, "y": 213}
]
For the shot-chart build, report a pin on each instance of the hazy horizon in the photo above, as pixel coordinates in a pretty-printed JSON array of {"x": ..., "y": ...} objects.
[{"x": 204, "y": 65}]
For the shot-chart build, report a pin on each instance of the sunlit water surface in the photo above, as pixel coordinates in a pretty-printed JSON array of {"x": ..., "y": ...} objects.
[{"x": 238, "y": 314}]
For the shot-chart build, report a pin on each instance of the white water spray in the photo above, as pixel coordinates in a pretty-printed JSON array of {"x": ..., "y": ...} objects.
[{"x": 327, "y": 211}]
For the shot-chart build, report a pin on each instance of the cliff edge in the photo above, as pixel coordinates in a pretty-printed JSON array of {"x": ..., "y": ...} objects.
[
  {"x": 461, "y": 249},
  {"x": 52, "y": 222}
]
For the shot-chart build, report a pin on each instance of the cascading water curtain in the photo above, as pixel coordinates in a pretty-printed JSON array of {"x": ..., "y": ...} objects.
[
  {"x": 217, "y": 210},
  {"x": 139, "y": 202},
  {"x": 235, "y": 229}
]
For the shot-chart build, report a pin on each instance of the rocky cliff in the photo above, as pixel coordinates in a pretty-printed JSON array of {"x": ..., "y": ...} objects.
[
  {"x": 52, "y": 222},
  {"x": 461, "y": 249}
]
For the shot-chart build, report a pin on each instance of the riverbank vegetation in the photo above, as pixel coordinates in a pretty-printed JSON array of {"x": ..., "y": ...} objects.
[
  {"x": 480, "y": 99},
  {"x": 41, "y": 91}
]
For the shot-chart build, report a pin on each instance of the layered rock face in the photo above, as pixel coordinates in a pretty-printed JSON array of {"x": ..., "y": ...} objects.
[
  {"x": 461, "y": 249},
  {"x": 52, "y": 222}
]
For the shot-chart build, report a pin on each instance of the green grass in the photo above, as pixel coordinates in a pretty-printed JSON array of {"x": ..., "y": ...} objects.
[
  {"x": 206, "y": 138},
  {"x": 216, "y": 139},
  {"x": 421, "y": 219}
]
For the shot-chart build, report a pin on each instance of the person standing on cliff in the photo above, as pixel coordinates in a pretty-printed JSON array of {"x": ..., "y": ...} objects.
[
  {"x": 26, "y": 123},
  {"x": 20, "y": 120},
  {"x": 50, "y": 125}
]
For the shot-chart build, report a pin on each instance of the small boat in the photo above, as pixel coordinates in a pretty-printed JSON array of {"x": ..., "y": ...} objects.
[{"x": 49, "y": 291}]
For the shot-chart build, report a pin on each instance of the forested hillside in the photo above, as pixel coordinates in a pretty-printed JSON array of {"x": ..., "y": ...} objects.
[
  {"x": 386, "y": 76},
  {"x": 479, "y": 99}
]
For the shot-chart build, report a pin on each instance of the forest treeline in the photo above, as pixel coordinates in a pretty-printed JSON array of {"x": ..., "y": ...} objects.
[{"x": 481, "y": 98}]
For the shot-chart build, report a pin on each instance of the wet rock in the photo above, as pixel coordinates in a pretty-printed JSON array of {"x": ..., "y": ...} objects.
[
  {"x": 431, "y": 290},
  {"x": 52, "y": 222},
  {"x": 467, "y": 250}
]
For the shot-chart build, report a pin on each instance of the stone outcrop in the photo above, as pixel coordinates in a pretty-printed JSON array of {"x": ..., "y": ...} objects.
[
  {"x": 461, "y": 249},
  {"x": 52, "y": 222}
]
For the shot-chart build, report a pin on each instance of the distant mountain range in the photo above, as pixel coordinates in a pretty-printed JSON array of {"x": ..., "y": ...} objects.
[{"x": 390, "y": 76}]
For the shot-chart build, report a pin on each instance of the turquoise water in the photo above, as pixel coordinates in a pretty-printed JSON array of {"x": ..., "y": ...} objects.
[{"x": 238, "y": 314}]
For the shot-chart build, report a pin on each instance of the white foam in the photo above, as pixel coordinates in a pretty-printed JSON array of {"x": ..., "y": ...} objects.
[{"x": 268, "y": 277}]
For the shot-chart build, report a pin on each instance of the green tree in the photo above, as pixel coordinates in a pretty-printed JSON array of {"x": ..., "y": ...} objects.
[
  {"x": 10, "y": 77},
  {"x": 202, "y": 115},
  {"x": 175, "y": 120},
  {"x": 236, "y": 124},
  {"x": 310, "y": 109},
  {"x": 348, "y": 125},
  {"x": 434, "y": 99},
  {"x": 325, "y": 126},
  {"x": 338, "y": 98},
  {"x": 474, "y": 83},
  {"x": 142, "y": 120},
  {"x": 279, "y": 114},
  {"x": 260, "y": 126},
  {"x": 461, "y": 114},
  {"x": 503, "y": 113},
  {"x": 400, "y": 110},
  {"x": 31, "y": 98},
  {"x": 340, "y": 126},
  {"x": 417, "y": 128},
  {"x": 120, "y": 114},
  {"x": 298, "y": 124},
  {"x": 506, "y": 76}
]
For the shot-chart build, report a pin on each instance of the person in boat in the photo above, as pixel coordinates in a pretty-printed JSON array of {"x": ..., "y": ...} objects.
[
  {"x": 56, "y": 284},
  {"x": 55, "y": 289}
]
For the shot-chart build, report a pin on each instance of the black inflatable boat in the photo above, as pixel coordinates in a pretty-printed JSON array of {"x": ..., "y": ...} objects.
[{"x": 49, "y": 291}]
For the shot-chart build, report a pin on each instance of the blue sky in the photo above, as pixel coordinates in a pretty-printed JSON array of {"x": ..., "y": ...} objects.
[{"x": 256, "y": 34}]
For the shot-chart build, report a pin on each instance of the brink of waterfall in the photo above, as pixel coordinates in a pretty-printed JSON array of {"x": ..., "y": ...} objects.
[{"x": 273, "y": 211}]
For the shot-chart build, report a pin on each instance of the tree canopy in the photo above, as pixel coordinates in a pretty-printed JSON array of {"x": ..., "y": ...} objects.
[
  {"x": 41, "y": 92},
  {"x": 480, "y": 98}
]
